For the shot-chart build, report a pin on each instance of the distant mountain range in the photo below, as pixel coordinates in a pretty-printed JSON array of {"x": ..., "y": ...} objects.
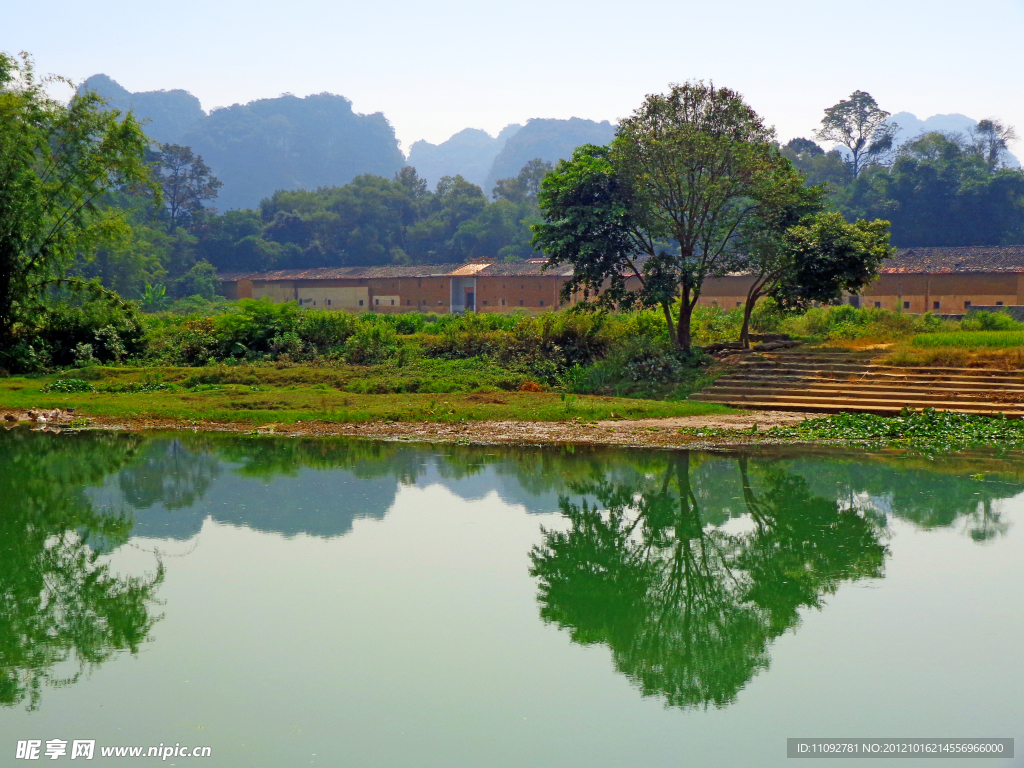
[
  {"x": 483, "y": 159},
  {"x": 318, "y": 141},
  {"x": 269, "y": 144},
  {"x": 469, "y": 153}
]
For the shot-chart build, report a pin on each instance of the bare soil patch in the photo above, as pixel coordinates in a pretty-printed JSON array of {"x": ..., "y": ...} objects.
[{"x": 639, "y": 433}]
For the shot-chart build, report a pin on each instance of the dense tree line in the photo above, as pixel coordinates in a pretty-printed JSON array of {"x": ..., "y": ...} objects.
[
  {"x": 179, "y": 243},
  {"x": 937, "y": 189}
]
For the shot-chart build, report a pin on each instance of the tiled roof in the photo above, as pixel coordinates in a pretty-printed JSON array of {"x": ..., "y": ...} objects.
[
  {"x": 467, "y": 270},
  {"x": 524, "y": 268},
  {"x": 1009, "y": 258},
  {"x": 489, "y": 269},
  {"x": 996, "y": 258},
  {"x": 350, "y": 273}
]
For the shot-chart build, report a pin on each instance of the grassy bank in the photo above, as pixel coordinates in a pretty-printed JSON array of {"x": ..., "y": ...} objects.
[
  {"x": 981, "y": 339},
  {"x": 259, "y": 395}
]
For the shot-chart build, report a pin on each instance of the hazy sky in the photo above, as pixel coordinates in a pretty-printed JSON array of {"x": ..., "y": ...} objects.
[{"x": 435, "y": 68}]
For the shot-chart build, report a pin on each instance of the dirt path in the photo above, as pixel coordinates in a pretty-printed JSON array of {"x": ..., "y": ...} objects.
[{"x": 660, "y": 433}]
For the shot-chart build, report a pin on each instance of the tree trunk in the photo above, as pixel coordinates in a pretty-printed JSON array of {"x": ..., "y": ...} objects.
[
  {"x": 748, "y": 309},
  {"x": 683, "y": 341},
  {"x": 6, "y": 309},
  {"x": 745, "y": 328},
  {"x": 669, "y": 324}
]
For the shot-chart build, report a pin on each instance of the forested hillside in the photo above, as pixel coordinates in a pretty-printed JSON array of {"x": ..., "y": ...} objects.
[
  {"x": 292, "y": 143},
  {"x": 258, "y": 148},
  {"x": 550, "y": 140},
  {"x": 170, "y": 113},
  {"x": 469, "y": 153},
  {"x": 307, "y": 182}
]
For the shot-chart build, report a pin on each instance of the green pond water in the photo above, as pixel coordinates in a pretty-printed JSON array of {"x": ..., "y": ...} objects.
[{"x": 292, "y": 602}]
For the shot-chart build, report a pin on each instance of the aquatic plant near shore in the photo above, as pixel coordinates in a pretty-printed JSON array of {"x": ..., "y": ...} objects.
[{"x": 929, "y": 429}]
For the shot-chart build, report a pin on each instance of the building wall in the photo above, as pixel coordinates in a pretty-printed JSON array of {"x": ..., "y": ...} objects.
[
  {"x": 948, "y": 293},
  {"x": 725, "y": 292},
  {"x": 504, "y": 293},
  {"x": 236, "y": 289},
  {"x": 944, "y": 292},
  {"x": 354, "y": 298},
  {"x": 410, "y": 294},
  {"x": 536, "y": 293},
  {"x": 275, "y": 290}
]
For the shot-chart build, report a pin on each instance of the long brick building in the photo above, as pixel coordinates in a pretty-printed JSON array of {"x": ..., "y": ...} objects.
[
  {"x": 918, "y": 280},
  {"x": 482, "y": 287},
  {"x": 945, "y": 280}
]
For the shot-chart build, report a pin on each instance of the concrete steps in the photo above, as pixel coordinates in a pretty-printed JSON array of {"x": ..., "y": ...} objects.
[{"x": 834, "y": 382}]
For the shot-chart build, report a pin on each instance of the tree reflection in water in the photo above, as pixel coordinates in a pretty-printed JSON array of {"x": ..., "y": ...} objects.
[
  {"x": 62, "y": 611},
  {"x": 655, "y": 562},
  {"x": 687, "y": 609}
]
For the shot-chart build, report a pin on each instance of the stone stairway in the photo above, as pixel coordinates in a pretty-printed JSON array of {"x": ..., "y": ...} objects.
[{"x": 830, "y": 382}]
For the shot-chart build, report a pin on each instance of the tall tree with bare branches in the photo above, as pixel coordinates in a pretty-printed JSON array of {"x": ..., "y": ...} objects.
[{"x": 860, "y": 125}]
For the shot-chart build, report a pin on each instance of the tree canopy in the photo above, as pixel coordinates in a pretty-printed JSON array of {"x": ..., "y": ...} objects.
[
  {"x": 57, "y": 162},
  {"x": 939, "y": 189},
  {"x": 663, "y": 209}
]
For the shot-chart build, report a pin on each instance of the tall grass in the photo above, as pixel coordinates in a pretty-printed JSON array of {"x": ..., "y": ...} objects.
[
  {"x": 967, "y": 339},
  {"x": 845, "y": 323}
]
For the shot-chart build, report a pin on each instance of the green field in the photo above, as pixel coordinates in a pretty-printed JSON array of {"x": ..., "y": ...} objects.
[{"x": 968, "y": 339}]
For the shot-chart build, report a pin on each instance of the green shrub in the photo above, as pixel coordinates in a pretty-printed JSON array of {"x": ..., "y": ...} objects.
[
  {"x": 68, "y": 386},
  {"x": 84, "y": 356},
  {"x": 185, "y": 341},
  {"x": 989, "y": 321},
  {"x": 113, "y": 329},
  {"x": 844, "y": 322},
  {"x": 250, "y": 327},
  {"x": 324, "y": 330},
  {"x": 406, "y": 323},
  {"x": 712, "y": 324},
  {"x": 767, "y": 317},
  {"x": 372, "y": 343},
  {"x": 199, "y": 305}
]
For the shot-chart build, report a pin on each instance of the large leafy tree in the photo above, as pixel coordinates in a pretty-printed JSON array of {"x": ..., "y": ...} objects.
[
  {"x": 992, "y": 139},
  {"x": 695, "y": 163},
  {"x": 798, "y": 253},
  {"x": 588, "y": 224},
  {"x": 524, "y": 187},
  {"x": 765, "y": 253},
  {"x": 57, "y": 161},
  {"x": 651, "y": 218},
  {"x": 860, "y": 125}
]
